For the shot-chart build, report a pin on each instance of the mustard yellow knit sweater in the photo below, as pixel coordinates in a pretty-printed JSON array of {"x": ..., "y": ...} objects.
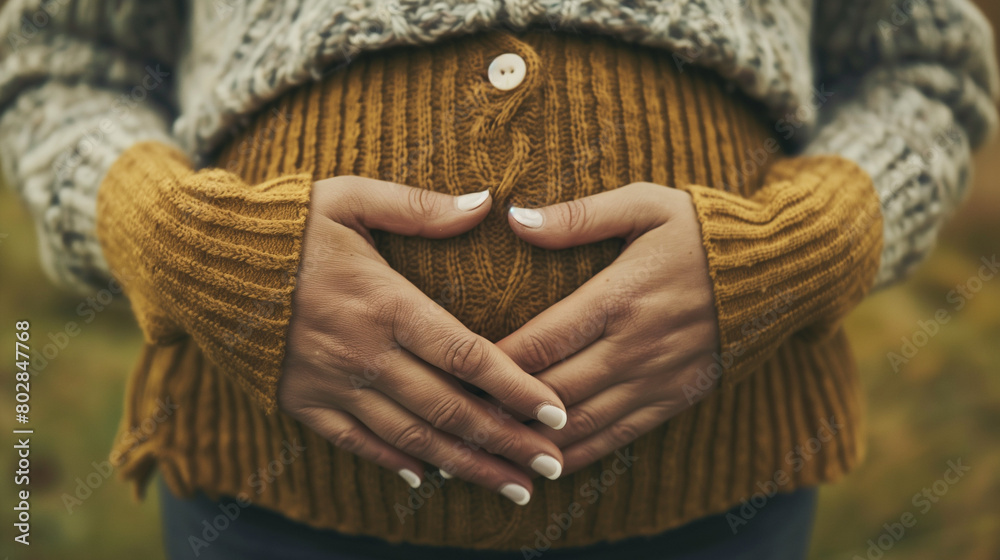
[{"x": 209, "y": 261}]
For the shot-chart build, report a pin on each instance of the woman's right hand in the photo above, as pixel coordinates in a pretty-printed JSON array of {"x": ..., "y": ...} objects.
[{"x": 374, "y": 365}]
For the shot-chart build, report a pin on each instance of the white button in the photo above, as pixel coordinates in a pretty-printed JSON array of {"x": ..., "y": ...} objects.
[{"x": 507, "y": 71}]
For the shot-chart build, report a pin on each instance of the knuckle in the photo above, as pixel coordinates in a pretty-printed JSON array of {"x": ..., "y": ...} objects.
[
  {"x": 423, "y": 201},
  {"x": 619, "y": 307},
  {"x": 450, "y": 415},
  {"x": 538, "y": 352},
  {"x": 378, "y": 455},
  {"x": 574, "y": 215},
  {"x": 465, "y": 356},
  {"x": 474, "y": 470},
  {"x": 348, "y": 440},
  {"x": 386, "y": 312},
  {"x": 414, "y": 439},
  {"x": 560, "y": 388},
  {"x": 506, "y": 442},
  {"x": 623, "y": 432},
  {"x": 594, "y": 325},
  {"x": 583, "y": 421}
]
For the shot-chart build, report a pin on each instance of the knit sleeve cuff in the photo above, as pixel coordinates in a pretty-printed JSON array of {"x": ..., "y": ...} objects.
[
  {"x": 203, "y": 254},
  {"x": 793, "y": 259}
]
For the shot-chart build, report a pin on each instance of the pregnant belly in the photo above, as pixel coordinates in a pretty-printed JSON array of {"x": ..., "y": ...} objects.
[{"x": 588, "y": 114}]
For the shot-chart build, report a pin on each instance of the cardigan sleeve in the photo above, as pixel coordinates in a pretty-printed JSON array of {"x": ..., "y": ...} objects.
[
  {"x": 205, "y": 255},
  {"x": 80, "y": 81},
  {"x": 903, "y": 99},
  {"x": 791, "y": 260},
  {"x": 86, "y": 106}
]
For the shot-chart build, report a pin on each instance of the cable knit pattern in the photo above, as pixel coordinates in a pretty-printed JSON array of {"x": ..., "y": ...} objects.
[
  {"x": 791, "y": 249},
  {"x": 928, "y": 81}
]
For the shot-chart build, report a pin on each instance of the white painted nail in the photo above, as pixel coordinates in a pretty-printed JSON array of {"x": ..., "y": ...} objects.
[
  {"x": 516, "y": 493},
  {"x": 552, "y": 416},
  {"x": 547, "y": 466},
  {"x": 527, "y": 217},
  {"x": 410, "y": 477},
  {"x": 471, "y": 201},
  {"x": 445, "y": 475}
]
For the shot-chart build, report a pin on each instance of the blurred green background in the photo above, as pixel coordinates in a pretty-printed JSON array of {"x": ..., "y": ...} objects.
[{"x": 942, "y": 405}]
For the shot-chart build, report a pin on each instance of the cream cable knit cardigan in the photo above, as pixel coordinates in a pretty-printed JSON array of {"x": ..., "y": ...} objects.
[{"x": 904, "y": 88}]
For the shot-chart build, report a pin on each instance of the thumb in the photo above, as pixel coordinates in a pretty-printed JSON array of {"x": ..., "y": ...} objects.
[
  {"x": 627, "y": 213},
  {"x": 401, "y": 209}
]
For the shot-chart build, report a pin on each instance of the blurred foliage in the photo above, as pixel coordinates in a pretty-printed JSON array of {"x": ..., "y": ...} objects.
[
  {"x": 76, "y": 402},
  {"x": 943, "y": 404}
]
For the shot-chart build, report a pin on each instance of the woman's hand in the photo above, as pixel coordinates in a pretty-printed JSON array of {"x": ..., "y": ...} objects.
[
  {"x": 623, "y": 351},
  {"x": 374, "y": 365}
]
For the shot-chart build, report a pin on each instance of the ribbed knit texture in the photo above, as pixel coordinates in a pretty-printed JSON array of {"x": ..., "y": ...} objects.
[
  {"x": 206, "y": 255},
  {"x": 791, "y": 259},
  {"x": 591, "y": 115},
  {"x": 905, "y": 91}
]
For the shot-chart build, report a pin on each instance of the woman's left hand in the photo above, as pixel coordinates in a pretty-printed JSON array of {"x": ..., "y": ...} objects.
[{"x": 625, "y": 351}]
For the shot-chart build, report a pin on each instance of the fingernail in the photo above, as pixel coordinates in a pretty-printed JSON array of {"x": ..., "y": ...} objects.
[
  {"x": 547, "y": 466},
  {"x": 552, "y": 416},
  {"x": 410, "y": 477},
  {"x": 516, "y": 493},
  {"x": 471, "y": 201},
  {"x": 527, "y": 217},
  {"x": 445, "y": 475}
]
